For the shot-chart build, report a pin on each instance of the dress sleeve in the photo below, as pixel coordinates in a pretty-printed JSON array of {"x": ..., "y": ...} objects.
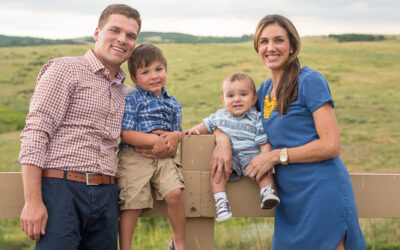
[
  {"x": 129, "y": 121},
  {"x": 47, "y": 110},
  {"x": 315, "y": 92}
]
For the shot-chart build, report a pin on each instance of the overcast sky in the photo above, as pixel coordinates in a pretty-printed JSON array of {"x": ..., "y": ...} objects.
[{"x": 77, "y": 18}]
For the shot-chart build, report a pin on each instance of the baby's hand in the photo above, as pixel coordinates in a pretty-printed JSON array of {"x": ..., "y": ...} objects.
[{"x": 192, "y": 131}]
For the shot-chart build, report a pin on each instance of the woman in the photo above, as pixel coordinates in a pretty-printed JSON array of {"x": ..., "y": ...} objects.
[{"x": 317, "y": 209}]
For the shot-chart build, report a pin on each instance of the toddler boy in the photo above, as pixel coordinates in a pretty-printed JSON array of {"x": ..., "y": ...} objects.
[{"x": 152, "y": 119}]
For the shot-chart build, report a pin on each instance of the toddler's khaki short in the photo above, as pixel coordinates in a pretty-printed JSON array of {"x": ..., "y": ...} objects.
[{"x": 138, "y": 177}]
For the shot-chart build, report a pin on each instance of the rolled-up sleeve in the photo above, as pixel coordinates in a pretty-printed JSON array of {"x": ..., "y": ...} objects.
[
  {"x": 210, "y": 123},
  {"x": 47, "y": 109}
]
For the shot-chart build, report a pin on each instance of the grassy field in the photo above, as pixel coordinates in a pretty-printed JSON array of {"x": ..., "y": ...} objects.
[{"x": 363, "y": 77}]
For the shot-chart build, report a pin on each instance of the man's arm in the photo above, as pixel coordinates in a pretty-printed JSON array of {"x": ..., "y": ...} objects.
[
  {"x": 34, "y": 215},
  {"x": 48, "y": 106}
]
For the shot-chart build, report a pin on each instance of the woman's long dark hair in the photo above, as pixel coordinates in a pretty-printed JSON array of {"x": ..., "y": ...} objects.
[{"x": 287, "y": 89}]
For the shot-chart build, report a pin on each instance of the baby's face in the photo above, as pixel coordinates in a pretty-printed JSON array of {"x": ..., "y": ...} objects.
[{"x": 238, "y": 97}]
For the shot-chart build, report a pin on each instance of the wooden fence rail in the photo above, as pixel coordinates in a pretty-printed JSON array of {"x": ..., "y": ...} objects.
[{"x": 376, "y": 195}]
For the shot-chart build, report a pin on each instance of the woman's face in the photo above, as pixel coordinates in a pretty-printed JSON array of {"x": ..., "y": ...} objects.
[{"x": 274, "y": 47}]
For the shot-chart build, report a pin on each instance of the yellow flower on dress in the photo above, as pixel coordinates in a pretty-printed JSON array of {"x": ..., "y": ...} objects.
[{"x": 269, "y": 107}]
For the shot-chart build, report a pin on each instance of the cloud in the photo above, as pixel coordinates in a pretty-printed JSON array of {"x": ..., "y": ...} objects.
[
  {"x": 46, "y": 24},
  {"x": 72, "y": 18}
]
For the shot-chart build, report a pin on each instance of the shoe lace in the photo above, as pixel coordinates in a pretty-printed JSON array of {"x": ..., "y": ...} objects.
[
  {"x": 222, "y": 205},
  {"x": 268, "y": 190}
]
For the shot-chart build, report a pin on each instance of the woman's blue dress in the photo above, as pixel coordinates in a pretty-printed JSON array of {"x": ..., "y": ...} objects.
[{"x": 317, "y": 208}]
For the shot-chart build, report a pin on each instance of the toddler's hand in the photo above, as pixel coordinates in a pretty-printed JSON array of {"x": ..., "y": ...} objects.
[{"x": 171, "y": 139}]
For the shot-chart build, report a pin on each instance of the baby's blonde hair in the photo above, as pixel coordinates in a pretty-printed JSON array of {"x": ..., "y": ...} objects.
[{"x": 241, "y": 77}]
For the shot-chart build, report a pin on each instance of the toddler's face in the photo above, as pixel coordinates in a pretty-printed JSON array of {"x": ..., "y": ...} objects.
[
  {"x": 151, "y": 78},
  {"x": 238, "y": 97}
]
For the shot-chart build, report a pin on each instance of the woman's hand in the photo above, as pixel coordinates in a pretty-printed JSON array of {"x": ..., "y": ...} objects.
[
  {"x": 222, "y": 157},
  {"x": 261, "y": 164}
]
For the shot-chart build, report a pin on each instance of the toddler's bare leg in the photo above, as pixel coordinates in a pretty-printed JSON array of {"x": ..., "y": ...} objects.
[
  {"x": 176, "y": 215},
  {"x": 127, "y": 225}
]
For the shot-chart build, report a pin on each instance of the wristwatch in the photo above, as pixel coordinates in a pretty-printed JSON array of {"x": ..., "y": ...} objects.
[{"x": 283, "y": 156}]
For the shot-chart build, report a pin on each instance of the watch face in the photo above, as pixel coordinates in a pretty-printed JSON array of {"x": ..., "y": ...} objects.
[{"x": 283, "y": 157}]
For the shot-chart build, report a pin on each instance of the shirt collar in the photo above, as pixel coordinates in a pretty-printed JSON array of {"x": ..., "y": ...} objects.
[
  {"x": 251, "y": 114},
  {"x": 164, "y": 92},
  {"x": 97, "y": 67}
]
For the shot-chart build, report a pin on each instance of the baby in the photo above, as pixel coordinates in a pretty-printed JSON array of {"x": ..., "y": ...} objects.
[{"x": 241, "y": 122}]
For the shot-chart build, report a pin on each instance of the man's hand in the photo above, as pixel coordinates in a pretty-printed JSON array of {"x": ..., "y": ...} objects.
[
  {"x": 33, "y": 220},
  {"x": 34, "y": 215},
  {"x": 159, "y": 146}
]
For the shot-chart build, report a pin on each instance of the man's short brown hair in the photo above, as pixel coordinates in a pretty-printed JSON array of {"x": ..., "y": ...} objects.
[
  {"x": 144, "y": 55},
  {"x": 122, "y": 9}
]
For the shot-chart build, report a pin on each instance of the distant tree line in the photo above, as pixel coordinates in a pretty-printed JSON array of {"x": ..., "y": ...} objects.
[
  {"x": 144, "y": 37},
  {"x": 357, "y": 37},
  {"x": 172, "y": 37},
  {"x": 18, "y": 41}
]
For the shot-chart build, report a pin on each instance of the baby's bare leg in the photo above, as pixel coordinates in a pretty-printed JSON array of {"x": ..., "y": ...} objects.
[
  {"x": 218, "y": 187},
  {"x": 267, "y": 180},
  {"x": 267, "y": 191}
]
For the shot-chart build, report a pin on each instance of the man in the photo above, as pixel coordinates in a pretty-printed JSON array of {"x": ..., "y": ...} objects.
[{"x": 69, "y": 141}]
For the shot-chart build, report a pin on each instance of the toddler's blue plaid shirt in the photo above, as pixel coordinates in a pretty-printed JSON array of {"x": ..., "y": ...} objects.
[{"x": 145, "y": 112}]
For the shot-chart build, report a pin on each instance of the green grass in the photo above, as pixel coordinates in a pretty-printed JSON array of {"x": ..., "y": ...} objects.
[{"x": 363, "y": 77}]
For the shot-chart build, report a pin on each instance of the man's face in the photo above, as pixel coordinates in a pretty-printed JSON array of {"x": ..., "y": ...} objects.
[{"x": 115, "y": 41}]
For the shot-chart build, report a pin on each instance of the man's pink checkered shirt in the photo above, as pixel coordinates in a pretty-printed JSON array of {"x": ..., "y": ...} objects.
[{"x": 75, "y": 115}]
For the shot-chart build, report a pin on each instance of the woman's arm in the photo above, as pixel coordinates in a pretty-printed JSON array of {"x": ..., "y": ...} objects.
[
  {"x": 222, "y": 156},
  {"x": 328, "y": 144},
  {"x": 324, "y": 148}
]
